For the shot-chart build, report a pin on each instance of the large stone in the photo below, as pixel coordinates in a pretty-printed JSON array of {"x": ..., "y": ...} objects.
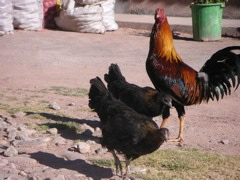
[
  {"x": 11, "y": 151},
  {"x": 83, "y": 147},
  {"x": 54, "y": 106},
  {"x": 22, "y": 135},
  {"x": 71, "y": 156},
  {"x": 52, "y": 131},
  {"x": 87, "y": 127},
  {"x": 12, "y": 134}
]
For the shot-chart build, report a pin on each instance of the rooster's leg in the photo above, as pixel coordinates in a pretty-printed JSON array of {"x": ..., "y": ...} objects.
[
  {"x": 117, "y": 163},
  {"x": 181, "y": 112},
  {"x": 180, "y": 134}
]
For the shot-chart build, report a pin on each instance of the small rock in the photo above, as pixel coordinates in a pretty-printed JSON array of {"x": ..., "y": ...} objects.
[
  {"x": 21, "y": 160},
  {"x": 22, "y": 173},
  {"x": 15, "y": 142},
  {"x": 101, "y": 151},
  {"x": 10, "y": 129},
  {"x": 52, "y": 131},
  {"x": 3, "y": 162},
  {"x": 33, "y": 178},
  {"x": 59, "y": 141},
  {"x": 19, "y": 114},
  {"x": 3, "y": 142},
  {"x": 21, "y": 128},
  {"x": 224, "y": 141},
  {"x": 87, "y": 127},
  {"x": 72, "y": 149},
  {"x": 37, "y": 143},
  {"x": 91, "y": 142},
  {"x": 59, "y": 177},
  {"x": 98, "y": 132},
  {"x": 13, "y": 177},
  {"x": 44, "y": 139},
  {"x": 12, "y": 165},
  {"x": 77, "y": 176},
  {"x": 71, "y": 156},
  {"x": 3, "y": 118},
  {"x": 47, "y": 169},
  {"x": 83, "y": 147},
  {"x": 71, "y": 104},
  {"x": 138, "y": 169},
  {"x": 21, "y": 135},
  {"x": 10, "y": 151},
  {"x": 54, "y": 106},
  {"x": 30, "y": 132},
  {"x": 12, "y": 134}
]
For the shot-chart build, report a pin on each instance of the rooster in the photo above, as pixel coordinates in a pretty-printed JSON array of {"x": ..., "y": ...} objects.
[
  {"x": 144, "y": 100},
  {"x": 123, "y": 129},
  {"x": 169, "y": 74}
]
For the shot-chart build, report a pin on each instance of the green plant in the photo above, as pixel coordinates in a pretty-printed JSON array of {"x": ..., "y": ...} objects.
[{"x": 209, "y": 1}]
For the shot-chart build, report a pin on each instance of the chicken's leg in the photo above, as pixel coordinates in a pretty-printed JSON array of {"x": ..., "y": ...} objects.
[
  {"x": 165, "y": 116},
  {"x": 118, "y": 164},
  {"x": 180, "y": 134},
  {"x": 181, "y": 112},
  {"x": 128, "y": 173},
  {"x": 164, "y": 122},
  {"x": 127, "y": 168}
]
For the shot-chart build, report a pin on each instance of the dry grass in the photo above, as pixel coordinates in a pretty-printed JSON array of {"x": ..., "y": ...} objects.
[{"x": 184, "y": 163}]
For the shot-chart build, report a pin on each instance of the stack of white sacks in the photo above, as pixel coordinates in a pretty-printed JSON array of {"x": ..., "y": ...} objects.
[
  {"x": 92, "y": 16},
  {"x": 20, "y": 14}
]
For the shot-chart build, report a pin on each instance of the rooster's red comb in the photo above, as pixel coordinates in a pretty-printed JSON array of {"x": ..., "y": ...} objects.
[{"x": 159, "y": 14}]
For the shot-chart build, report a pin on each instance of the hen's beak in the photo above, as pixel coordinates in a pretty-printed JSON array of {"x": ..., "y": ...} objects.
[{"x": 166, "y": 140}]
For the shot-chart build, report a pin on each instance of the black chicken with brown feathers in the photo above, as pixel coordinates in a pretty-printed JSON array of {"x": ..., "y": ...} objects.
[
  {"x": 123, "y": 129},
  {"x": 144, "y": 100}
]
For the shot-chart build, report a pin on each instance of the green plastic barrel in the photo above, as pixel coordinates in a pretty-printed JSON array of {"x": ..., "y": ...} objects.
[{"x": 207, "y": 21}]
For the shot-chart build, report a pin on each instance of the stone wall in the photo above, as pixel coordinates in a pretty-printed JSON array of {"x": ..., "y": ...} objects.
[{"x": 172, "y": 7}]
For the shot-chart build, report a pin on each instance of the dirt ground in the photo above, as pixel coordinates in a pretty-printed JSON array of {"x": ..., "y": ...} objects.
[{"x": 32, "y": 61}]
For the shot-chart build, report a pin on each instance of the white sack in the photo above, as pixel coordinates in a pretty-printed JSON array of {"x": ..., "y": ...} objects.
[
  {"x": 6, "y": 18},
  {"x": 86, "y": 2},
  {"x": 28, "y": 14},
  {"x": 109, "y": 15},
  {"x": 81, "y": 19}
]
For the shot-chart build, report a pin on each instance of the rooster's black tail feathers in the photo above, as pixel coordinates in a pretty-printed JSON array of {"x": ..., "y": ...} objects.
[{"x": 223, "y": 68}]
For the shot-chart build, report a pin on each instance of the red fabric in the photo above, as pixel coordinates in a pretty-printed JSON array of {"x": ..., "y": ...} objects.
[{"x": 49, "y": 13}]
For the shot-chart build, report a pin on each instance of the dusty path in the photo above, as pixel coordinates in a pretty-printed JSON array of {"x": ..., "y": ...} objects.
[{"x": 38, "y": 60}]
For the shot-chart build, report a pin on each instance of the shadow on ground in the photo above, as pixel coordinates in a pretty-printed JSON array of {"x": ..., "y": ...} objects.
[
  {"x": 79, "y": 165},
  {"x": 69, "y": 132}
]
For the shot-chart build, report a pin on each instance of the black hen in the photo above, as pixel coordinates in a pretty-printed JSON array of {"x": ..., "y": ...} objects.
[
  {"x": 144, "y": 100},
  {"x": 123, "y": 129}
]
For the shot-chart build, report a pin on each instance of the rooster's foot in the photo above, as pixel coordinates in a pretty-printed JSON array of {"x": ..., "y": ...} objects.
[{"x": 178, "y": 139}]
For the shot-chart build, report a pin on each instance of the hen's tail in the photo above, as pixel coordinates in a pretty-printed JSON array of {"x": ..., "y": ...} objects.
[
  {"x": 223, "y": 68},
  {"x": 97, "y": 92},
  {"x": 114, "y": 74}
]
